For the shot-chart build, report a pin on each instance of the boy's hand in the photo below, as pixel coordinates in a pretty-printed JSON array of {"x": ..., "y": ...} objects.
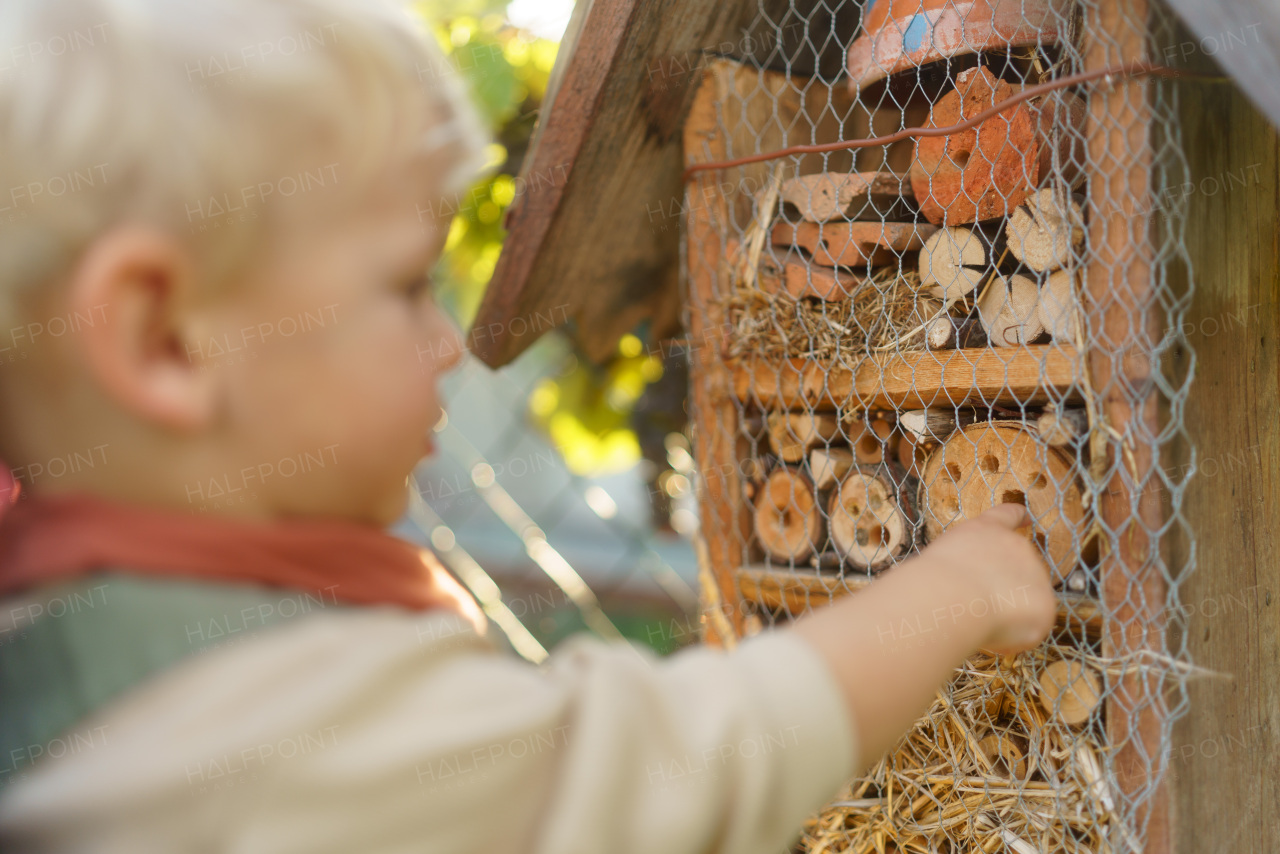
[{"x": 1001, "y": 565}]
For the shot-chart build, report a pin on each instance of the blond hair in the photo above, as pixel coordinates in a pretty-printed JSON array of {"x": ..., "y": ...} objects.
[{"x": 197, "y": 116}]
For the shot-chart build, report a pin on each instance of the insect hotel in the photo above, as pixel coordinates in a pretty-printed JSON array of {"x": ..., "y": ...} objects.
[{"x": 927, "y": 262}]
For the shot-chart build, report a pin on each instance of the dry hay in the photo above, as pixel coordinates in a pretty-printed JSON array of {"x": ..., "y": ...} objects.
[
  {"x": 884, "y": 311},
  {"x": 938, "y": 792}
]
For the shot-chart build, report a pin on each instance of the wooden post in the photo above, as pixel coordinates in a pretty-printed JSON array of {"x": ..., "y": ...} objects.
[
  {"x": 1118, "y": 287},
  {"x": 726, "y": 518}
]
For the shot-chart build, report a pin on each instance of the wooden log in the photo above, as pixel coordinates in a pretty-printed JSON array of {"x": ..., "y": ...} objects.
[
  {"x": 1039, "y": 373},
  {"x": 798, "y": 278},
  {"x": 869, "y": 526},
  {"x": 788, "y": 524},
  {"x": 1044, "y": 232},
  {"x": 853, "y": 244},
  {"x": 913, "y": 453},
  {"x": 873, "y": 440},
  {"x": 829, "y": 465},
  {"x": 793, "y": 434},
  {"x": 935, "y": 423},
  {"x": 990, "y": 463},
  {"x": 844, "y": 196},
  {"x": 1008, "y": 311},
  {"x": 1058, "y": 309},
  {"x": 1070, "y": 690},
  {"x": 1061, "y": 427},
  {"x": 985, "y": 172},
  {"x": 948, "y": 332},
  {"x": 1004, "y": 751},
  {"x": 952, "y": 262}
]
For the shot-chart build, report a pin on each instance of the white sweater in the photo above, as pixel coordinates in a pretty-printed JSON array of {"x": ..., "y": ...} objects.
[{"x": 372, "y": 730}]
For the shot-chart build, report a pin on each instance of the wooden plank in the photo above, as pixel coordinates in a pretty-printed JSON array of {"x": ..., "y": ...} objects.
[
  {"x": 801, "y": 590},
  {"x": 1118, "y": 287},
  {"x": 1008, "y": 375},
  {"x": 725, "y": 516},
  {"x": 1225, "y": 754}
]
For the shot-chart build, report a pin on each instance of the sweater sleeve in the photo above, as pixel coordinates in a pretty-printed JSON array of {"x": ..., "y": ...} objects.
[{"x": 377, "y": 732}]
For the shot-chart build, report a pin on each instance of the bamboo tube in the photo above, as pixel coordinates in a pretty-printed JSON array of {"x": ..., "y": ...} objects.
[{"x": 853, "y": 244}]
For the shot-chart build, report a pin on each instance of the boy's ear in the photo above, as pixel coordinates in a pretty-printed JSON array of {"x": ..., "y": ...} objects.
[{"x": 139, "y": 283}]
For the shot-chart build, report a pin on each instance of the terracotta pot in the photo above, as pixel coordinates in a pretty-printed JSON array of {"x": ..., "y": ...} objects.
[{"x": 899, "y": 35}]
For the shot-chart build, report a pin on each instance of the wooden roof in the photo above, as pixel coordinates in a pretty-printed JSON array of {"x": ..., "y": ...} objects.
[{"x": 593, "y": 234}]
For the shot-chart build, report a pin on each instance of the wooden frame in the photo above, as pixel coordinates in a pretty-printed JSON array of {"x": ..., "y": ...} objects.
[{"x": 1118, "y": 284}]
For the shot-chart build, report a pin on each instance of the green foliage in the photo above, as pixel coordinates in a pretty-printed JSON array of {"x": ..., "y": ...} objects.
[
  {"x": 586, "y": 411},
  {"x": 506, "y": 72}
]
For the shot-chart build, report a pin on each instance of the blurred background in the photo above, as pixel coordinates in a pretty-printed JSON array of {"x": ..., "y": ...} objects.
[{"x": 561, "y": 490}]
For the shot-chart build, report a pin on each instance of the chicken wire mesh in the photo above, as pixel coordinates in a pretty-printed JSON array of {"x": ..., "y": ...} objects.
[{"x": 899, "y": 336}]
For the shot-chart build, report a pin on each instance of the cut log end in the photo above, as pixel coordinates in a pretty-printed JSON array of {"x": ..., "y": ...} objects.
[
  {"x": 1061, "y": 428},
  {"x": 868, "y": 526},
  {"x": 992, "y": 463},
  {"x": 793, "y": 434},
  {"x": 1005, "y": 753},
  {"x": 1058, "y": 308},
  {"x": 829, "y": 466},
  {"x": 873, "y": 441},
  {"x": 1009, "y": 312},
  {"x": 1070, "y": 690},
  {"x": 788, "y": 523},
  {"x": 952, "y": 263},
  {"x": 948, "y": 332},
  {"x": 1044, "y": 232}
]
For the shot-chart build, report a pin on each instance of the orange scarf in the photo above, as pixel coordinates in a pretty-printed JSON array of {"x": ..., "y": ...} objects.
[{"x": 59, "y": 538}]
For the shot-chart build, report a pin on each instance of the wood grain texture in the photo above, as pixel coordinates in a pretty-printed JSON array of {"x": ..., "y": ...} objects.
[
  {"x": 718, "y": 445},
  {"x": 1118, "y": 284},
  {"x": 1010, "y": 375},
  {"x": 1225, "y": 762}
]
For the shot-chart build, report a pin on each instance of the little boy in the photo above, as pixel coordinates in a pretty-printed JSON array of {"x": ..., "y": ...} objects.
[{"x": 211, "y": 260}]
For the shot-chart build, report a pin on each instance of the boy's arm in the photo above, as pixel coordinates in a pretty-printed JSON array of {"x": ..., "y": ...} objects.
[
  {"x": 893, "y": 644},
  {"x": 376, "y": 731}
]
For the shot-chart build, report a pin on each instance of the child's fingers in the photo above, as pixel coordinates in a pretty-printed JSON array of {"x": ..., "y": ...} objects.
[{"x": 1010, "y": 515}]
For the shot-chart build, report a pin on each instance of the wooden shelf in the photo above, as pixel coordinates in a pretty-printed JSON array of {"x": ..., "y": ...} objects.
[
  {"x": 797, "y": 591},
  {"x": 1037, "y": 373}
]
